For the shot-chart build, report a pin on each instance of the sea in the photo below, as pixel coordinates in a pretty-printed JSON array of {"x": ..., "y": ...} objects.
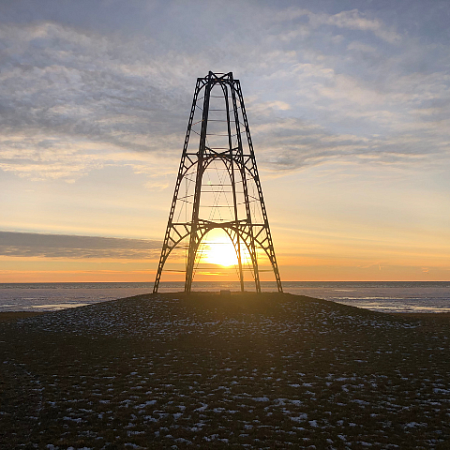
[{"x": 388, "y": 296}]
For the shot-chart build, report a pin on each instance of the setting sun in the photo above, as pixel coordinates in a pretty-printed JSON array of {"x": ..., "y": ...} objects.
[{"x": 218, "y": 249}]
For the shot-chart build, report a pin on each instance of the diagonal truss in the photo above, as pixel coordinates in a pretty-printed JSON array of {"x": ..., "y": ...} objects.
[{"x": 247, "y": 225}]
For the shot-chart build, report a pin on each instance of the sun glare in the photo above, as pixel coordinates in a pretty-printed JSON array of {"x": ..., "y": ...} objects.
[{"x": 220, "y": 250}]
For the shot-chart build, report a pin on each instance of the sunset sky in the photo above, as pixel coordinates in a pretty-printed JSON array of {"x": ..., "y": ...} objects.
[{"x": 349, "y": 109}]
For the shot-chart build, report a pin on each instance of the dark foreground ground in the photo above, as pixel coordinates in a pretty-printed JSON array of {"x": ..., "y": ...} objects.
[{"x": 270, "y": 371}]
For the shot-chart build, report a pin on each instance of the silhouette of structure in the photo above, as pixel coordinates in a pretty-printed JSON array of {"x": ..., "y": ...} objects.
[{"x": 218, "y": 186}]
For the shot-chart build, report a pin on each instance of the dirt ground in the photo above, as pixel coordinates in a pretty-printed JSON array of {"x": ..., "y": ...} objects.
[{"x": 209, "y": 371}]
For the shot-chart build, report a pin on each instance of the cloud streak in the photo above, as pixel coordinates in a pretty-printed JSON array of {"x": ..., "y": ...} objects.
[{"x": 26, "y": 245}]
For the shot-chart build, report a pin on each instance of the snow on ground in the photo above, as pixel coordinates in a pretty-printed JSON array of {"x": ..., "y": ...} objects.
[{"x": 257, "y": 372}]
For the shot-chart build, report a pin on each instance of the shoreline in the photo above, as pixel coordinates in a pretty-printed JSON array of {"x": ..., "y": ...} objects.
[{"x": 11, "y": 316}]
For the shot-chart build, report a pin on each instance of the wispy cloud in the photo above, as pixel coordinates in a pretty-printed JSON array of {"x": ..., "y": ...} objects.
[
  {"x": 350, "y": 20},
  {"x": 73, "y": 95}
]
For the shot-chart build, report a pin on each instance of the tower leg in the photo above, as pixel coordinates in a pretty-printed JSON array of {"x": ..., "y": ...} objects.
[
  {"x": 168, "y": 240},
  {"x": 194, "y": 239}
]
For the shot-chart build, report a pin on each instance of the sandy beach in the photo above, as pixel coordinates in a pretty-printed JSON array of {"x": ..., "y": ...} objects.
[{"x": 211, "y": 371}]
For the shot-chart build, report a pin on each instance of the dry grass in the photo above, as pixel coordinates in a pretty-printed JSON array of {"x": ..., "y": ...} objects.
[{"x": 269, "y": 371}]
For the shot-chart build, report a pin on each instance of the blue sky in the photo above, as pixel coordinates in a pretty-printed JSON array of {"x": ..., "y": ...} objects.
[{"x": 348, "y": 104}]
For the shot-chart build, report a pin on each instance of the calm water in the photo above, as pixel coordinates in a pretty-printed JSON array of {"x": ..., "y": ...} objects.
[{"x": 377, "y": 296}]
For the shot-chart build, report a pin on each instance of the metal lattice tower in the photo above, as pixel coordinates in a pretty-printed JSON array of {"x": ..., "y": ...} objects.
[{"x": 222, "y": 189}]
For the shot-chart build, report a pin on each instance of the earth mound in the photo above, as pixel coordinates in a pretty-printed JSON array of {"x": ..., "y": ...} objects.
[{"x": 221, "y": 371}]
